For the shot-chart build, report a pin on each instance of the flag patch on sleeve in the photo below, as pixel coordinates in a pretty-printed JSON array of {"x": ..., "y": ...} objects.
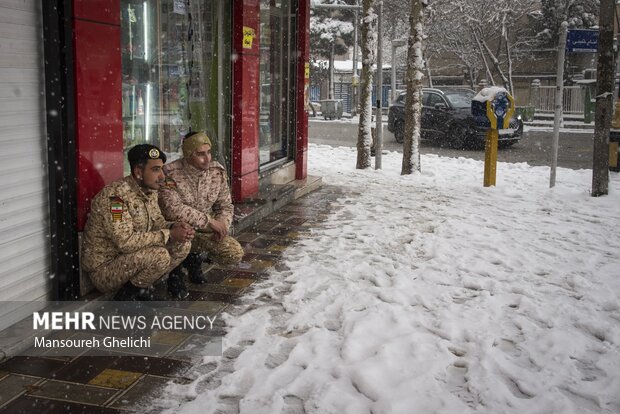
[
  {"x": 116, "y": 208},
  {"x": 170, "y": 183}
]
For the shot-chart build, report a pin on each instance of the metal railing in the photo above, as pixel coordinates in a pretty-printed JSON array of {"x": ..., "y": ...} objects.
[
  {"x": 572, "y": 103},
  {"x": 344, "y": 92}
]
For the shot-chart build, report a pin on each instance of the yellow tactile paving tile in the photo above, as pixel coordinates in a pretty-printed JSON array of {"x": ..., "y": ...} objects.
[
  {"x": 258, "y": 265},
  {"x": 168, "y": 337},
  {"x": 210, "y": 307},
  {"x": 277, "y": 248},
  {"x": 67, "y": 391},
  {"x": 113, "y": 378}
]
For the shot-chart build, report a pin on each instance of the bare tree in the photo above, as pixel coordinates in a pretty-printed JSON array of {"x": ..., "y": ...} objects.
[
  {"x": 413, "y": 101},
  {"x": 605, "y": 85},
  {"x": 578, "y": 14},
  {"x": 491, "y": 36},
  {"x": 395, "y": 19},
  {"x": 331, "y": 33},
  {"x": 446, "y": 37},
  {"x": 474, "y": 32},
  {"x": 485, "y": 35},
  {"x": 369, "y": 46}
]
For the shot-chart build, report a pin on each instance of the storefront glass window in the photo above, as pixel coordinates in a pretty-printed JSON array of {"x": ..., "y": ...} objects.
[
  {"x": 176, "y": 72},
  {"x": 139, "y": 47},
  {"x": 277, "y": 80}
]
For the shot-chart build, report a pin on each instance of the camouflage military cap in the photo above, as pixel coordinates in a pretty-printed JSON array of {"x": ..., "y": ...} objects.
[{"x": 193, "y": 141}]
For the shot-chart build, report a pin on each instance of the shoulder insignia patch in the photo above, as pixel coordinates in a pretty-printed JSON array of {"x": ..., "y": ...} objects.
[
  {"x": 116, "y": 208},
  {"x": 170, "y": 183}
]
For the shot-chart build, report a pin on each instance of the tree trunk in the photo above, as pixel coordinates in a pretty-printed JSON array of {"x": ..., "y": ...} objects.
[
  {"x": 369, "y": 36},
  {"x": 510, "y": 83},
  {"x": 413, "y": 102},
  {"x": 484, "y": 59},
  {"x": 498, "y": 68},
  {"x": 427, "y": 65},
  {"x": 605, "y": 89},
  {"x": 472, "y": 77}
]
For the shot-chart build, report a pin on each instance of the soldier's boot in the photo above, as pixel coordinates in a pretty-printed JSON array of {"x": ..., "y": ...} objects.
[
  {"x": 176, "y": 286},
  {"x": 131, "y": 292},
  {"x": 193, "y": 264}
]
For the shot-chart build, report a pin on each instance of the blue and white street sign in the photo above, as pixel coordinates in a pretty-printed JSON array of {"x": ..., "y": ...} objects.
[{"x": 581, "y": 41}]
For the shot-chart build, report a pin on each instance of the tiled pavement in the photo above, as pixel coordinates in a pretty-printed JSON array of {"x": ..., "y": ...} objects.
[{"x": 118, "y": 383}]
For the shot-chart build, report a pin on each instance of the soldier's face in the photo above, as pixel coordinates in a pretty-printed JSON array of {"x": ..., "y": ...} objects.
[
  {"x": 152, "y": 174},
  {"x": 201, "y": 157}
]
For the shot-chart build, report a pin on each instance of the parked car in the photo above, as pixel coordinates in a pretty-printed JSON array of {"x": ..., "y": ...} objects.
[{"x": 447, "y": 119}]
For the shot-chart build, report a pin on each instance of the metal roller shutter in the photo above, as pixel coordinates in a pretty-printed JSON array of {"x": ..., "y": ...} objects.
[{"x": 24, "y": 210}]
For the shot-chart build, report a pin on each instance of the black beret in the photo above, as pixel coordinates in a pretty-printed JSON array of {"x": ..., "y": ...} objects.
[{"x": 145, "y": 152}]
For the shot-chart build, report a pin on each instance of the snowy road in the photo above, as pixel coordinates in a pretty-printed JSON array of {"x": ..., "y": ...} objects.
[
  {"x": 574, "y": 151},
  {"x": 431, "y": 294}
]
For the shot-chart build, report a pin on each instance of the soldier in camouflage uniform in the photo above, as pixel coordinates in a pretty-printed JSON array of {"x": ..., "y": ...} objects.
[
  {"x": 127, "y": 242},
  {"x": 197, "y": 192}
]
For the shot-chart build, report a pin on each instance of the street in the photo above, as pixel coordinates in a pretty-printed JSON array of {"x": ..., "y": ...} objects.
[{"x": 574, "y": 151}]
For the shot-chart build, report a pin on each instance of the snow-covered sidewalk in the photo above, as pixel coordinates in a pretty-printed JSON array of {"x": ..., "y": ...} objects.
[{"x": 431, "y": 294}]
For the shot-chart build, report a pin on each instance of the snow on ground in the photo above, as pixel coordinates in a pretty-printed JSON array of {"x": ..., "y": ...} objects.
[{"x": 431, "y": 294}]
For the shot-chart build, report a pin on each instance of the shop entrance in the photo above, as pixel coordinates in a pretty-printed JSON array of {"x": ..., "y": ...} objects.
[{"x": 278, "y": 46}]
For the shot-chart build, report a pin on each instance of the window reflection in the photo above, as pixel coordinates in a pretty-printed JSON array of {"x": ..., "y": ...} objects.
[
  {"x": 170, "y": 58},
  {"x": 139, "y": 73}
]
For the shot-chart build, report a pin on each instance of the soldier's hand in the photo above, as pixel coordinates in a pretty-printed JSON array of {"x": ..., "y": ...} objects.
[
  {"x": 181, "y": 232},
  {"x": 220, "y": 230}
]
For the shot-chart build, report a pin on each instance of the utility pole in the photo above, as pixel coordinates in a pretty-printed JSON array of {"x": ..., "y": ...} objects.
[
  {"x": 605, "y": 88},
  {"x": 559, "y": 98},
  {"x": 354, "y": 76},
  {"x": 379, "y": 143}
]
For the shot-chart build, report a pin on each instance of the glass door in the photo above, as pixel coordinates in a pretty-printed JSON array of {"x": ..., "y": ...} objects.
[{"x": 277, "y": 81}]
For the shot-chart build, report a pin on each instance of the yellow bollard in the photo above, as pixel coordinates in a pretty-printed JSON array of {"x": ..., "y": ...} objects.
[{"x": 490, "y": 157}]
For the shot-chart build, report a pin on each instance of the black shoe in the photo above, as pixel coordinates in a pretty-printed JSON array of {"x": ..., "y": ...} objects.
[
  {"x": 176, "y": 285},
  {"x": 133, "y": 293},
  {"x": 193, "y": 264}
]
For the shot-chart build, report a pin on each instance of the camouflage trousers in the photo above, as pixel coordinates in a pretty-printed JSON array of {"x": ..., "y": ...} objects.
[
  {"x": 227, "y": 251},
  {"x": 142, "y": 268}
]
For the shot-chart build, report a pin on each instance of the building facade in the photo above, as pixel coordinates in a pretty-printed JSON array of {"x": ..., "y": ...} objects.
[{"x": 82, "y": 81}]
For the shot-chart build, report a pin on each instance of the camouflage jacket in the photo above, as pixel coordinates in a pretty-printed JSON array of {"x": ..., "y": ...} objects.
[
  {"x": 123, "y": 219},
  {"x": 193, "y": 196}
]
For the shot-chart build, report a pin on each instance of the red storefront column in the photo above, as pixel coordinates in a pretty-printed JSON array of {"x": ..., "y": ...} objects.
[
  {"x": 246, "y": 64},
  {"x": 99, "y": 130},
  {"x": 303, "y": 84}
]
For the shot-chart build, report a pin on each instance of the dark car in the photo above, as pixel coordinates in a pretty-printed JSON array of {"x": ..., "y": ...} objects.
[{"x": 447, "y": 119}]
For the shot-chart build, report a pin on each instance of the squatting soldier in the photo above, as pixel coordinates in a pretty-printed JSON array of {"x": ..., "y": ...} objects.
[
  {"x": 197, "y": 193},
  {"x": 127, "y": 242}
]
